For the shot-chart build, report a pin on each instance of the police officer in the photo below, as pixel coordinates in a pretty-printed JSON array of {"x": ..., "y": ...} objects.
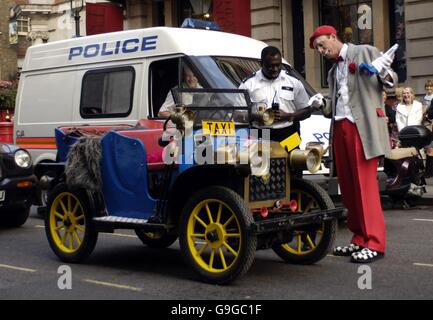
[{"x": 284, "y": 93}]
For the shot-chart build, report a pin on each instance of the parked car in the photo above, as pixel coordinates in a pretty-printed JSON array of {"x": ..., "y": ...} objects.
[
  {"x": 17, "y": 185},
  {"x": 210, "y": 183}
]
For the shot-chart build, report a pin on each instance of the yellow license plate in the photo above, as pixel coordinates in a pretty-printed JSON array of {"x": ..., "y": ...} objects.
[{"x": 219, "y": 128}]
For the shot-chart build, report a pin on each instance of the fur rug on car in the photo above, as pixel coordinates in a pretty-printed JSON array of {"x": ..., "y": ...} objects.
[{"x": 83, "y": 168}]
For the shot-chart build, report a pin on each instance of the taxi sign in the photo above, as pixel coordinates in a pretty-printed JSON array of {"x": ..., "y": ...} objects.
[
  {"x": 219, "y": 128},
  {"x": 291, "y": 142}
]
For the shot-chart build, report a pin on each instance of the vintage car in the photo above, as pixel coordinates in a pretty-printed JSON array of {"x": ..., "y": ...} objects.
[
  {"x": 17, "y": 185},
  {"x": 203, "y": 177}
]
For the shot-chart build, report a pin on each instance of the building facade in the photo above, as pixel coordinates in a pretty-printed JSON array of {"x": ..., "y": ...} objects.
[
  {"x": 8, "y": 56},
  {"x": 286, "y": 24},
  {"x": 289, "y": 23}
]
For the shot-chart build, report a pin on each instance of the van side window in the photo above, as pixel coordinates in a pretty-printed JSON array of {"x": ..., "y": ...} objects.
[
  {"x": 107, "y": 93},
  {"x": 164, "y": 75}
]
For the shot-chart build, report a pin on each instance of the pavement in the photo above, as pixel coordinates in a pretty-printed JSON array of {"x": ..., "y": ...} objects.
[{"x": 121, "y": 267}]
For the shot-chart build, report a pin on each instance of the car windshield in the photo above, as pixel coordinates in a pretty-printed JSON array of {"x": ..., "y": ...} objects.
[{"x": 214, "y": 104}]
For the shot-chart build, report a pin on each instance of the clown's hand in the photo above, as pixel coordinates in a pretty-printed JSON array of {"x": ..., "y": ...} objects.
[
  {"x": 317, "y": 101},
  {"x": 381, "y": 64},
  {"x": 385, "y": 60}
]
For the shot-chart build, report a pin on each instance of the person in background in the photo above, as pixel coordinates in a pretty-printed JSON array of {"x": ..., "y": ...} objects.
[
  {"x": 428, "y": 94},
  {"x": 399, "y": 94},
  {"x": 189, "y": 81},
  {"x": 409, "y": 111},
  {"x": 428, "y": 122},
  {"x": 359, "y": 135},
  {"x": 391, "y": 101}
]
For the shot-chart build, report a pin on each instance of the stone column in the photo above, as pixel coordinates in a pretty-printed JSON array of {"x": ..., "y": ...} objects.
[
  {"x": 312, "y": 59},
  {"x": 266, "y": 21}
]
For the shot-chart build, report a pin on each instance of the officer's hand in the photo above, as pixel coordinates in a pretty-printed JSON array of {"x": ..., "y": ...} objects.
[
  {"x": 277, "y": 115},
  {"x": 282, "y": 116},
  {"x": 317, "y": 101}
]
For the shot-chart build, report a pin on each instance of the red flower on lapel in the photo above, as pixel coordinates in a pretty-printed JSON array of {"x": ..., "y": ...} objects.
[{"x": 352, "y": 68}]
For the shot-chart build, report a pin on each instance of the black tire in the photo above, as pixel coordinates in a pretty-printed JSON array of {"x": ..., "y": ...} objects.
[
  {"x": 233, "y": 225},
  {"x": 157, "y": 240},
  {"x": 328, "y": 229},
  {"x": 14, "y": 218},
  {"x": 89, "y": 235}
]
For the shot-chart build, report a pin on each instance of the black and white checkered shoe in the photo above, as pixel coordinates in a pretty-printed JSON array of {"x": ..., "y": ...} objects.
[
  {"x": 346, "y": 251},
  {"x": 366, "y": 255}
]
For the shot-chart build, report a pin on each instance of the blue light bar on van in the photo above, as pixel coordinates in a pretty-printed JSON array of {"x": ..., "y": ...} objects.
[{"x": 200, "y": 24}]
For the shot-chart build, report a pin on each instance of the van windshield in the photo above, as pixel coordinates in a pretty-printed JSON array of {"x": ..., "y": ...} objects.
[{"x": 228, "y": 72}]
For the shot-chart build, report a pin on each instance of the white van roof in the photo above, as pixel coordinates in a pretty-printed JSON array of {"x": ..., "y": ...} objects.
[{"x": 140, "y": 43}]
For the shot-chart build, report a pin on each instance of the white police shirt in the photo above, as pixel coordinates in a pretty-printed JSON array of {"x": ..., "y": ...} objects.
[{"x": 286, "y": 90}]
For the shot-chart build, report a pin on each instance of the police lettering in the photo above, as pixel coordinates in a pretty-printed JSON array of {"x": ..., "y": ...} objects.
[{"x": 102, "y": 49}]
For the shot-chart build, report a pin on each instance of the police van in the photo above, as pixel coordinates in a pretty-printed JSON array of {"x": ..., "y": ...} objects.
[{"x": 122, "y": 77}]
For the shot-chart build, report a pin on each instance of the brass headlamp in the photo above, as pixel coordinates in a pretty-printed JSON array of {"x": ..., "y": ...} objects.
[{"x": 309, "y": 159}]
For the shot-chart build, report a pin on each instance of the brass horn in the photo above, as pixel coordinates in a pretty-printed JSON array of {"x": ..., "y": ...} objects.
[
  {"x": 182, "y": 118},
  {"x": 309, "y": 159},
  {"x": 264, "y": 116}
]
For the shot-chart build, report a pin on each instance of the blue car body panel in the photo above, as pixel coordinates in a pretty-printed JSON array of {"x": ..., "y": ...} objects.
[
  {"x": 124, "y": 177},
  {"x": 64, "y": 143}
]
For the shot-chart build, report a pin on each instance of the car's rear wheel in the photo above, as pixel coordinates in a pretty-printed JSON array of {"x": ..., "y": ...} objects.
[{"x": 69, "y": 226}]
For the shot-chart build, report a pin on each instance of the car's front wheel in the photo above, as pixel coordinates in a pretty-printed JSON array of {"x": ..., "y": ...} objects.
[
  {"x": 214, "y": 235},
  {"x": 310, "y": 244}
]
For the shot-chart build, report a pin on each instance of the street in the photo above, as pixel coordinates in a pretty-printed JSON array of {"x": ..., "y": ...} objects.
[{"x": 122, "y": 268}]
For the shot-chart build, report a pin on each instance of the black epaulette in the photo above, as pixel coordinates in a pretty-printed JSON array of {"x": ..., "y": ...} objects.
[{"x": 249, "y": 77}]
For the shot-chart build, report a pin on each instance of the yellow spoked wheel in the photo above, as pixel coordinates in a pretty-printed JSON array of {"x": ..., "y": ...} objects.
[
  {"x": 67, "y": 224},
  {"x": 69, "y": 228},
  {"x": 311, "y": 243},
  {"x": 214, "y": 238}
]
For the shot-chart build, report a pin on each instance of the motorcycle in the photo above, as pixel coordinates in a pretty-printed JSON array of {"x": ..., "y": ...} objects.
[{"x": 405, "y": 167}]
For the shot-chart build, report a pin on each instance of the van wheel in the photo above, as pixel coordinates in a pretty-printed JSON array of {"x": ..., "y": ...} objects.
[
  {"x": 15, "y": 219},
  {"x": 157, "y": 240},
  {"x": 69, "y": 224},
  {"x": 214, "y": 235},
  {"x": 309, "y": 245}
]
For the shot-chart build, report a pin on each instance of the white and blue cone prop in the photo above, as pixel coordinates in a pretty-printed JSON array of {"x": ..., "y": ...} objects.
[{"x": 370, "y": 68}]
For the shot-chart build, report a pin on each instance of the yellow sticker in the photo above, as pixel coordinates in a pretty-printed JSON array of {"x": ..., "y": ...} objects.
[
  {"x": 291, "y": 142},
  {"x": 219, "y": 128}
]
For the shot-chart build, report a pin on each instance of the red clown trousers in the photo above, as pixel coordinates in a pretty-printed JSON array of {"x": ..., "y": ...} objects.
[{"x": 359, "y": 187}]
